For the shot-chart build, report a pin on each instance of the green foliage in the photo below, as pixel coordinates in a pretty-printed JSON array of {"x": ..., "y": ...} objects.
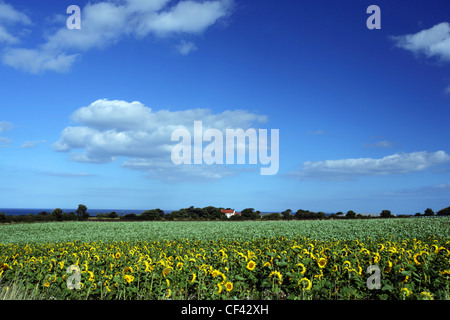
[
  {"x": 444, "y": 212},
  {"x": 385, "y": 214}
]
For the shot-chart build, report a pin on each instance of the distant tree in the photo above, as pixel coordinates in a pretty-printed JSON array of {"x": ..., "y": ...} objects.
[
  {"x": 444, "y": 212},
  {"x": 301, "y": 214},
  {"x": 2, "y": 217},
  {"x": 130, "y": 216},
  {"x": 43, "y": 213},
  {"x": 250, "y": 214},
  {"x": 287, "y": 214},
  {"x": 351, "y": 214},
  {"x": 320, "y": 215},
  {"x": 57, "y": 213},
  {"x": 428, "y": 212},
  {"x": 272, "y": 216},
  {"x": 339, "y": 213},
  {"x": 112, "y": 215},
  {"x": 385, "y": 214},
  {"x": 82, "y": 212},
  {"x": 154, "y": 214},
  {"x": 213, "y": 213},
  {"x": 417, "y": 214}
]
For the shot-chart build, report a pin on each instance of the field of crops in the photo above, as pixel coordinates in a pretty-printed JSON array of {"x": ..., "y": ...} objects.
[{"x": 328, "y": 259}]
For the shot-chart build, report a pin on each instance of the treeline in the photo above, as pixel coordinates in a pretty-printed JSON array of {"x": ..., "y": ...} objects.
[
  {"x": 56, "y": 215},
  {"x": 207, "y": 213}
]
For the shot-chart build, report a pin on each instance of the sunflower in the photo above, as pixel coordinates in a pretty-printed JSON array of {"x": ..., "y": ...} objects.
[
  {"x": 128, "y": 269},
  {"x": 128, "y": 278},
  {"x": 267, "y": 264},
  {"x": 322, "y": 262},
  {"x": 193, "y": 278},
  {"x": 347, "y": 264},
  {"x": 303, "y": 286},
  {"x": 251, "y": 265},
  {"x": 166, "y": 271},
  {"x": 426, "y": 295},
  {"x": 376, "y": 257},
  {"x": 229, "y": 286},
  {"x": 417, "y": 255},
  {"x": 389, "y": 267},
  {"x": 278, "y": 274},
  {"x": 220, "y": 288},
  {"x": 405, "y": 292},
  {"x": 303, "y": 267}
]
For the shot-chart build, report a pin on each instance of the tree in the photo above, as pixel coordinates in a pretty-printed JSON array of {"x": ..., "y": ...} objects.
[
  {"x": 112, "y": 215},
  {"x": 272, "y": 216},
  {"x": 287, "y": 214},
  {"x": 250, "y": 214},
  {"x": 301, "y": 214},
  {"x": 444, "y": 212},
  {"x": 82, "y": 212},
  {"x": 57, "y": 213},
  {"x": 154, "y": 214},
  {"x": 351, "y": 214},
  {"x": 428, "y": 212},
  {"x": 385, "y": 214}
]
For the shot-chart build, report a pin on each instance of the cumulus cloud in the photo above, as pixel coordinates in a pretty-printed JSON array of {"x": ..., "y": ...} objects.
[
  {"x": 433, "y": 42},
  {"x": 105, "y": 23},
  {"x": 349, "y": 168},
  {"x": 113, "y": 129}
]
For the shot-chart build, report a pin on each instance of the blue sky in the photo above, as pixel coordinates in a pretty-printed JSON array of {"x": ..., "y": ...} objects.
[{"x": 86, "y": 115}]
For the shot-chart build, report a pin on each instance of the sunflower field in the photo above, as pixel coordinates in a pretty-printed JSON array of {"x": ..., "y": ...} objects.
[{"x": 270, "y": 263}]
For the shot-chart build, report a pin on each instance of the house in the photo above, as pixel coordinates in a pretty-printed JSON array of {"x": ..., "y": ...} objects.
[{"x": 230, "y": 212}]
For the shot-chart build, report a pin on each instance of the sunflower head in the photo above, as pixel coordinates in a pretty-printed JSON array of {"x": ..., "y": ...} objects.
[
  {"x": 304, "y": 284},
  {"x": 251, "y": 265},
  {"x": 322, "y": 262},
  {"x": 229, "y": 286}
]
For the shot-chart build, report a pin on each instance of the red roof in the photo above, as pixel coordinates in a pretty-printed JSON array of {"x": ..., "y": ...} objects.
[{"x": 227, "y": 211}]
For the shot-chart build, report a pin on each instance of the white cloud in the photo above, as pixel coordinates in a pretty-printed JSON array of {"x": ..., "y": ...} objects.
[
  {"x": 8, "y": 17},
  {"x": 186, "y": 47},
  {"x": 433, "y": 42},
  {"x": 36, "y": 61},
  {"x": 4, "y": 142},
  {"x": 105, "y": 23},
  {"x": 185, "y": 17},
  {"x": 4, "y": 126},
  {"x": 111, "y": 129},
  {"x": 32, "y": 144},
  {"x": 349, "y": 168}
]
